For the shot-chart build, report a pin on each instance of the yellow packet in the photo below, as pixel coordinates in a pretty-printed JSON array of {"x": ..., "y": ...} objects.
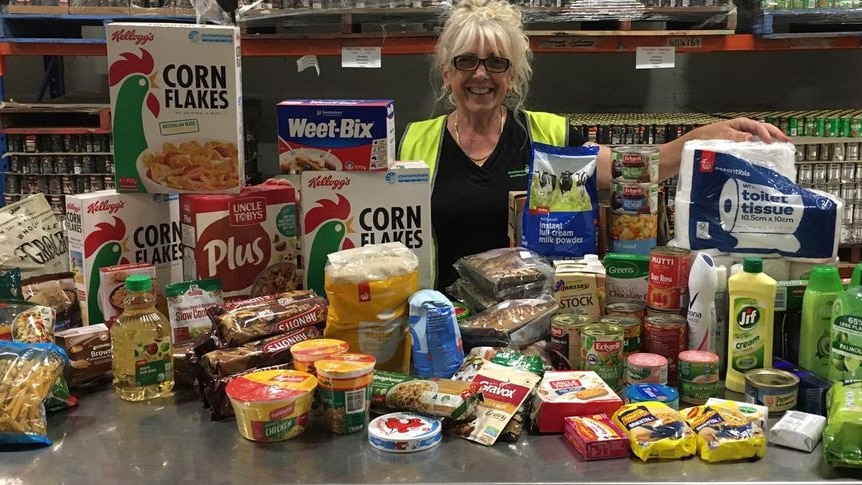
[
  {"x": 655, "y": 431},
  {"x": 724, "y": 433}
]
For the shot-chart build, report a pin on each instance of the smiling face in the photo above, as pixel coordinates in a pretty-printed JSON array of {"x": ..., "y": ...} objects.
[{"x": 477, "y": 91}]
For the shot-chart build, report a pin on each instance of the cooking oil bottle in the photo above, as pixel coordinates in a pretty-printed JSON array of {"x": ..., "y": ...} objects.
[
  {"x": 752, "y": 305},
  {"x": 141, "y": 339}
]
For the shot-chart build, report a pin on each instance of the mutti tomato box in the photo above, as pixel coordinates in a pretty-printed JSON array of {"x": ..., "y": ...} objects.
[
  {"x": 176, "y": 104},
  {"x": 107, "y": 229},
  {"x": 343, "y": 210},
  {"x": 247, "y": 240},
  {"x": 570, "y": 393},
  {"x": 335, "y": 134}
]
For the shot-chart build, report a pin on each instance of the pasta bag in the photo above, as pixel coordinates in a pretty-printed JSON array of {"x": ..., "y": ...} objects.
[{"x": 368, "y": 290}]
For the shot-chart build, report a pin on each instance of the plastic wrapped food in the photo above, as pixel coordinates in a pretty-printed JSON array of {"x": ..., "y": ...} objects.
[
  {"x": 244, "y": 321},
  {"x": 724, "y": 433},
  {"x": 507, "y": 273},
  {"x": 10, "y": 284},
  {"x": 474, "y": 297},
  {"x": 512, "y": 323},
  {"x": 656, "y": 431},
  {"x": 58, "y": 292},
  {"x": 29, "y": 323},
  {"x": 841, "y": 444},
  {"x": 445, "y": 398}
]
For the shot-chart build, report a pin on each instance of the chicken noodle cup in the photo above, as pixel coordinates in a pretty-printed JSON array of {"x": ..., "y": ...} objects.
[
  {"x": 345, "y": 388},
  {"x": 305, "y": 354},
  {"x": 272, "y": 405}
]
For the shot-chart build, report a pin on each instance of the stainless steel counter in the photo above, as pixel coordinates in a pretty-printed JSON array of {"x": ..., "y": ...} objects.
[{"x": 172, "y": 440}]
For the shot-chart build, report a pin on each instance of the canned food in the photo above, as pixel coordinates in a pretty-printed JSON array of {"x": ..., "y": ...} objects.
[
  {"x": 852, "y": 152},
  {"x": 804, "y": 175},
  {"x": 55, "y": 185},
  {"x": 638, "y": 393},
  {"x": 800, "y": 154},
  {"x": 13, "y": 184},
  {"x": 61, "y": 164},
  {"x": 698, "y": 376},
  {"x": 834, "y": 174},
  {"x": 644, "y": 368},
  {"x": 665, "y": 334},
  {"x": 631, "y": 309},
  {"x": 602, "y": 352},
  {"x": 857, "y": 211},
  {"x": 848, "y": 193},
  {"x": 775, "y": 389},
  {"x": 838, "y": 152},
  {"x": 631, "y": 326},
  {"x": 565, "y": 341},
  {"x": 634, "y": 164},
  {"x": 634, "y": 198},
  {"x": 12, "y": 143},
  {"x": 848, "y": 172},
  {"x": 812, "y": 152},
  {"x": 820, "y": 172},
  {"x": 633, "y": 233},
  {"x": 667, "y": 288},
  {"x": 825, "y": 152},
  {"x": 15, "y": 163},
  {"x": 30, "y": 144}
]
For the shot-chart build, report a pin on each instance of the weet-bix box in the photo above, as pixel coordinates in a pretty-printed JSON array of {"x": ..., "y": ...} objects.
[{"x": 335, "y": 134}]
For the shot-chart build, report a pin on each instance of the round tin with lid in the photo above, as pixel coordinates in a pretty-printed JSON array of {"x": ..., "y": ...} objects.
[
  {"x": 646, "y": 368},
  {"x": 773, "y": 388},
  {"x": 404, "y": 432}
]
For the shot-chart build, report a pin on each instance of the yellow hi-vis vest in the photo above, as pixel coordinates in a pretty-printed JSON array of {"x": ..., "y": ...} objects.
[{"x": 422, "y": 141}]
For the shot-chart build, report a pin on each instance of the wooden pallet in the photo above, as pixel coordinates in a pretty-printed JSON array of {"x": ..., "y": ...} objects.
[{"x": 805, "y": 22}]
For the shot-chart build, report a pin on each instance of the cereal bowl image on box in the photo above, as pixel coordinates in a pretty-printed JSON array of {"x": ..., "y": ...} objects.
[
  {"x": 293, "y": 160},
  {"x": 190, "y": 165}
]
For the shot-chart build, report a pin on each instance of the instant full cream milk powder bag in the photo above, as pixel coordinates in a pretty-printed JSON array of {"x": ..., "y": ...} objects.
[{"x": 741, "y": 197}]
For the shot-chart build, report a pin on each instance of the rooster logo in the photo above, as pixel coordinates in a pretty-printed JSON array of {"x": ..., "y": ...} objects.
[
  {"x": 331, "y": 220},
  {"x": 136, "y": 76},
  {"x": 103, "y": 247}
]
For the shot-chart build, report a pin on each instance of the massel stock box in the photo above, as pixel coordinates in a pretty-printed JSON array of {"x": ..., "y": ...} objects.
[
  {"x": 570, "y": 393},
  {"x": 335, "y": 134},
  {"x": 579, "y": 288},
  {"x": 106, "y": 229},
  {"x": 343, "y": 210},
  {"x": 176, "y": 103},
  {"x": 247, "y": 240}
]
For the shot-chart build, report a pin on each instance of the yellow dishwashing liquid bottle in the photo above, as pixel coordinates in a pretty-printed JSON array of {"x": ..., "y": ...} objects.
[
  {"x": 752, "y": 305},
  {"x": 141, "y": 339}
]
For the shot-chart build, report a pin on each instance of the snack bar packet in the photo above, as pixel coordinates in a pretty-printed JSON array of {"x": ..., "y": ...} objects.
[
  {"x": 444, "y": 398},
  {"x": 656, "y": 431},
  {"x": 724, "y": 433},
  {"x": 271, "y": 351},
  {"x": 27, "y": 372},
  {"x": 506, "y": 273},
  {"x": 841, "y": 444},
  {"x": 244, "y": 321}
]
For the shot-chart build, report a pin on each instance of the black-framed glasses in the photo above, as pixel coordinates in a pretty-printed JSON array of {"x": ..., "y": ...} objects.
[{"x": 470, "y": 62}]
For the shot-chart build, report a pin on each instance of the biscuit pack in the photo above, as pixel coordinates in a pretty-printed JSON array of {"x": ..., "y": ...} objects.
[{"x": 570, "y": 393}]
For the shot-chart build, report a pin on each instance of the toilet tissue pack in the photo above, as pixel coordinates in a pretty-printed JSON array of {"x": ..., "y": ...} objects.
[{"x": 741, "y": 197}]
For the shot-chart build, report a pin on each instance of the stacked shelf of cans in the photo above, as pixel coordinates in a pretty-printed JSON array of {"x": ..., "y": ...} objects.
[
  {"x": 835, "y": 168},
  {"x": 821, "y": 123},
  {"x": 57, "y": 165},
  {"x": 837, "y": 5},
  {"x": 637, "y": 128}
]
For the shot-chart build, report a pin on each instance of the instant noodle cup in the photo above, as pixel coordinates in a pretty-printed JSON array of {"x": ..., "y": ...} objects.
[
  {"x": 345, "y": 388},
  {"x": 305, "y": 354},
  {"x": 272, "y": 405}
]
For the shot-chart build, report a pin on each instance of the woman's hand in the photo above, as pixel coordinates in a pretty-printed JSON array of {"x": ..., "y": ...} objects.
[{"x": 740, "y": 129}]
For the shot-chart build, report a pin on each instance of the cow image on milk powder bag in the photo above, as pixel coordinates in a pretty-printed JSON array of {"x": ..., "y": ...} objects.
[
  {"x": 335, "y": 134},
  {"x": 343, "y": 210},
  {"x": 176, "y": 103},
  {"x": 246, "y": 240},
  {"x": 107, "y": 229}
]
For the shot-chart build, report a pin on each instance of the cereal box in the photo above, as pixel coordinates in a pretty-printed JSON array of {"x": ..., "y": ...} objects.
[
  {"x": 343, "y": 210},
  {"x": 570, "y": 393},
  {"x": 112, "y": 289},
  {"x": 627, "y": 277},
  {"x": 596, "y": 437},
  {"x": 106, "y": 229},
  {"x": 335, "y": 134},
  {"x": 176, "y": 102},
  {"x": 248, "y": 240}
]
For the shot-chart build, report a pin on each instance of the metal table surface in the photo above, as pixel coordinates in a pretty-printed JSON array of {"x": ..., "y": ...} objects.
[{"x": 173, "y": 440}]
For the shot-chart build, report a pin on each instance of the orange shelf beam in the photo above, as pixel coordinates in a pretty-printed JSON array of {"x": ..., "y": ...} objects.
[{"x": 265, "y": 46}]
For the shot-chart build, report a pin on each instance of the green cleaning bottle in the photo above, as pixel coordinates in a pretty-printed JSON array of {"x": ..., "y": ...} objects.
[
  {"x": 824, "y": 286},
  {"x": 846, "y": 352}
]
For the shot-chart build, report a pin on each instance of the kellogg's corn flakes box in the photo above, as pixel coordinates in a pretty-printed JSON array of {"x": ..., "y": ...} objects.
[{"x": 176, "y": 103}]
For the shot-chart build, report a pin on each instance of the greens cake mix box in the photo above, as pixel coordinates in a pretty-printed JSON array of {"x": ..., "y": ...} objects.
[
  {"x": 106, "y": 228},
  {"x": 343, "y": 210},
  {"x": 176, "y": 103}
]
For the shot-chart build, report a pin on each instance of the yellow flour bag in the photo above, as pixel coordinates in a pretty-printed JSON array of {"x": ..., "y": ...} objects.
[{"x": 368, "y": 289}]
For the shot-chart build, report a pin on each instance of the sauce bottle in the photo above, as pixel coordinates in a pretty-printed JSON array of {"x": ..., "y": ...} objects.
[
  {"x": 824, "y": 286},
  {"x": 752, "y": 307},
  {"x": 141, "y": 340}
]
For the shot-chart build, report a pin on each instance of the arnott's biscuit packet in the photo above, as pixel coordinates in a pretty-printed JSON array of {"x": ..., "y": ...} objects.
[
  {"x": 656, "y": 431},
  {"x": 724, "y": 433}
]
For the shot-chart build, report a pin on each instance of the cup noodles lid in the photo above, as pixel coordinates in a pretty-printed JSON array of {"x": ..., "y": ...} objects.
[
  {"x": 336, "y": 367},
  {"x": 404, "y": 432},
  {"x": 313, "y": 350},
  {"x": 271, "y": 385}
]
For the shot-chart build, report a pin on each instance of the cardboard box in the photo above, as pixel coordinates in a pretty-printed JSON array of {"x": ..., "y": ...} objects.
[
  {"x": 517, "y": 199},
  {"x": 176, "y": 95},
  {"x": 89, "y": 351},
  {"x": 627, "y": 277},
  {"x": 596, "y": 437},
  {"x": 570, "y": 393},
  {"x": 342, "y": 210},
  {"x": 248, "y": 240},
  {"x": 335, "y": 134},
  {"x": 579, "y": 288},
  {"x": 112, "y": 292},
  {"x": 106, "y": 228}
]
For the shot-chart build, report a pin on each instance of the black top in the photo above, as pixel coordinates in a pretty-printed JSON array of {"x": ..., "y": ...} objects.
[{"x": 470, "y": 204}]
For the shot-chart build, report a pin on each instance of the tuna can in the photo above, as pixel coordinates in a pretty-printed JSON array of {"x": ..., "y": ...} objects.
[
  {"x": 698, "y": 376},
  {"x": 664, "y": 334},
  {"x": 812, "y": 152},
  {"x": 634, "y": 164},
  {"x": 638, "y": 393},
  {"x": 775, "y": 389},
  {"x": 668, "y": 278},
  {"x": 644, "y": 368},
  {"x": 805, "y": 173},
  {"x": 565, "y": 341},
  {"x": 852, "y": 152},
  {"x": 404, "y": 432},
  {"x": 631, "y": 326},
  {"x": 602, "y": 352},
  {"x": 848, "y": 172},
  {"x": 834, "y": 170}
]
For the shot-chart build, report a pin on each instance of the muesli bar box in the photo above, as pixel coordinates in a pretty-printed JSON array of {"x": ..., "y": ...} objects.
[
  {"x": 570, "y": 393},
  {"x": 176, "y": 104},
  {"x": 335, "y": 134},
  {"x": 106, "y": 229}
]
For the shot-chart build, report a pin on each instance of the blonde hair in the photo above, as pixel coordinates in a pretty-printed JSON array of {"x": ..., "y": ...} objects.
[{"x": 495, "y": 23}]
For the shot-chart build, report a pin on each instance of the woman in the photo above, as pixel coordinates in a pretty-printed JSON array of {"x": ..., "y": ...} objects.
[{"x": 481, "y": 150}]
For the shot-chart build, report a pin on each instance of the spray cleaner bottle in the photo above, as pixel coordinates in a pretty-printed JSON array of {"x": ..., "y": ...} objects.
[
  {"x": 752, "y": 305},
  {"x": 846, "y": 354},
  {"x": 824, "y": 286},
  {"x": 702, "y": 283}
]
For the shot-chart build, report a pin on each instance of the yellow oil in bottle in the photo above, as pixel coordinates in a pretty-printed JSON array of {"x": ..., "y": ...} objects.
[{"x": 141, "y": 339}]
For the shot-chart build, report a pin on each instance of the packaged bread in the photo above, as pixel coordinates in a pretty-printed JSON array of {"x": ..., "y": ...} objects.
[
  {"x": 507, "y": 273},
  {"x": 724, "y": 433},
  {"x": 656, "y": 431},
  {"x": 511, "y": 323}
]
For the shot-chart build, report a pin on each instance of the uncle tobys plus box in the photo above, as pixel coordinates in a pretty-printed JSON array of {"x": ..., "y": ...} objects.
[
  {"x": 335, "y": 134},
  {"x": 176, "y": 103}
]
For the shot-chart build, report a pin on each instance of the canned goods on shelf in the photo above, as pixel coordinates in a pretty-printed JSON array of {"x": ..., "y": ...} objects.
[
  {"x": 30, "y": 144},
  {"x": 88, "y": 164},
  {"x": 48, "y": 166},
  {"x": 812, "y": 152},
  {"x": 804, "y": 173},
  {"x": 857, "y": 213},
  {"x": 96, "y": 182},
  {"x": 825, "y": 152},
  {"x": 56, "y": 143},
  {"x": 88, "y": 143},
  {"x": 69, "y": 143},
  {"x": 848, "y": 193},
  {"x": 15, "y": 163},
  {"x": 838, "y": 152},
  {"x": 67, "y": 183},
  {"x": 76, "y": 164},
  {"x": 852, "y": 152},
  {"x": 55, "y": 185},
  {"x": 834, "y": 172},
  {"x": 109, "y": 164},
  {"x": 34, "y": 164},
  {"x": 13, "y": 184},
  {"x": 848, "y": 172},
  {"x": 820, "y": 172},
  {"x": 61, "y": 164}
]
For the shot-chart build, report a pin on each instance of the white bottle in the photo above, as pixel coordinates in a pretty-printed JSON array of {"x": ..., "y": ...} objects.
[
  {"x": 719, "y": 331},
  {"x": 702, "y": 283}
]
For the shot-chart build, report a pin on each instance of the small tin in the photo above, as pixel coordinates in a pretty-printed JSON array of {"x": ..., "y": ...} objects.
[
  {"x": 565, "y": 341},
  {"x": 602, "y": 352},
  {"x": 638, "y": 393},
  {"x": 61, "y": 164},
  {"x": 47, "y": 163},
  {"x": 631, "y": 309},
  {"x": 404, "y": 432},
  {"x": 848, "y": 172},
  {"x": 804, "y": 175},
  {"x": 631, "y": 326},
  {"x": 665, "y": 334},
  {"x": 13, "y": 184},
  {"x": 812, "y": 152},
  {"x": 698, "y": 376},
  {"x": 645, "y": 368},
  {"x": 775, "y": 389}
]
